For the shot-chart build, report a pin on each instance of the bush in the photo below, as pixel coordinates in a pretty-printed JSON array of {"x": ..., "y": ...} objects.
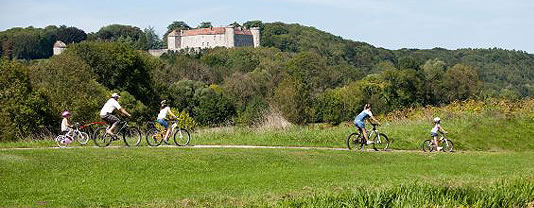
[
  {"x": 70, "y": 85},
  {"x": 23, "y": 110}
]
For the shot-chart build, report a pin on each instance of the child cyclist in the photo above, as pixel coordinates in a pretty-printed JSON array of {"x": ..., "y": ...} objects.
[
  {"x": 358, "y": 121},
  {"x": 66, "y": 125},
  {"x": 164, "y": 110},
  {"x": 434, "y": 132}
]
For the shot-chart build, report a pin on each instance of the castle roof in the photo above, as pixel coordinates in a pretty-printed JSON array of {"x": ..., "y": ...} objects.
[
  {"x": 204, "y": 31},
  {"x": 59, "y": 44},
  {"x": 213, "y": 31}
]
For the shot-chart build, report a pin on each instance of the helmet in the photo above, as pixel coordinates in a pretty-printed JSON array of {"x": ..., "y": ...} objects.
[
  {"x": 436, "y": 119},
  {"x": 115, "y": 95},
  {"x": 65, "y": 114},
  {"x": 163, "y": 102}
]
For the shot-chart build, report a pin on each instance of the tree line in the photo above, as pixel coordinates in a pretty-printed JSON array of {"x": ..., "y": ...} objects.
[{"x": 305, "y": 74}]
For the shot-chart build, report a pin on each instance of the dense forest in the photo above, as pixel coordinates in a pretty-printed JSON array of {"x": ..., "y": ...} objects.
[{"x": 300, "y": 72}]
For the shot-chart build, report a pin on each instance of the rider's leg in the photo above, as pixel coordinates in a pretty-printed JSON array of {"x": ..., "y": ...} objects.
[
  {"x": 167, "y": 133},
  {"x": 166, "y": 125},
  {"x": 111, "y": 130},
  {"x": 435, "y": 142},
  {"x": 365, "y": 135},
  {"x": 114, "y": 121}
]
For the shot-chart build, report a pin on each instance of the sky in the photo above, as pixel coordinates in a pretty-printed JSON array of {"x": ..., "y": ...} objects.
[{"x": 391, "y": 24}]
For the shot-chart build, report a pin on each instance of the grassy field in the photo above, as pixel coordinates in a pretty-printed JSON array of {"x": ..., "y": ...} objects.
[
  {"x": 476, "y": 133},
  {"x": 176, "y": 177}
]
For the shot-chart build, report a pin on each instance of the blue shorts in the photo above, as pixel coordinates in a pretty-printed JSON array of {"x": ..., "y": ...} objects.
[
  {"x": 359, "y": 124},
  {"x": 163, "y": 122},
  {"x": 432, "y": 134}
]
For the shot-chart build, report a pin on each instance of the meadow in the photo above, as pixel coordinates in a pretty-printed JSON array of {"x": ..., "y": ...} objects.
[
  {"x": 178, "y": 177},
  {"x": 492, "y": 167}
]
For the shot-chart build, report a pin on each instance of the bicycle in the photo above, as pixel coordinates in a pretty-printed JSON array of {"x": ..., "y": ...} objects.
[
  {"x": 75, "y": 134},
  {"x": 131, "y": 135},
  {"x": 155, "y": 136},
  {"x": 357, "y": 140},
  {"x": 445, "y": 143}
]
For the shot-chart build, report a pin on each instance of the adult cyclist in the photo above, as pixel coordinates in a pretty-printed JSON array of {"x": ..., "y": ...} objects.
[
  {"x": 106, "y": 113},
  {"x": 358, "y": 121}
]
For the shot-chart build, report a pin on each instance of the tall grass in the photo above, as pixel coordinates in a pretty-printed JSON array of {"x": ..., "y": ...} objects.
[
  {"x": 492, "y": 125},
  {"x": 519, "y": 193}
]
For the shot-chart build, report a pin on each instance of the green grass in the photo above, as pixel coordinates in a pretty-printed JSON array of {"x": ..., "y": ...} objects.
[
  {"x": 472, "y": 133},
  {"x": 264, "y": 177}
]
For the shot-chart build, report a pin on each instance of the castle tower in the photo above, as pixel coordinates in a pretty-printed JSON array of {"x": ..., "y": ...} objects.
[
  {"x": 59, "y": 47},
  {"x": 173, "y": 41},
  {"x": 255, "y": 36},
  {"x": 229, "y": 33}
]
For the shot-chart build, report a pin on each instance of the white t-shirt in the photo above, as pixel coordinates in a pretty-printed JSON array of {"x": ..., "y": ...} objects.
[
  {"x": 110, "y": 106},
  {"x": 163, "y": 112},
  {"x": 435, "y": 129},
  {"x": 64, "y": 126}
]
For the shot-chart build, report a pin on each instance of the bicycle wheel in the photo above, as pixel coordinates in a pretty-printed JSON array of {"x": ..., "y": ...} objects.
[
  {"x": 182, "y": 137},
  {"x": 153, "y": 137},
  {"x": 354, "y": 142},
  {"x": 82, "y": 137},
  {"x": 427, "y": 146},
  {"x": 446, "y": 145},
  {"x": 101, "y": 138},
  {"x": 132, "y": 136},
  {"x": 60, "y": 141},
  {"x": 380, "y": 142}
]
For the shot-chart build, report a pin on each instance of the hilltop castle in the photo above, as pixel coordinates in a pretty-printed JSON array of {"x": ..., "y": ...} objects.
[{"x": 229, "y": 37}]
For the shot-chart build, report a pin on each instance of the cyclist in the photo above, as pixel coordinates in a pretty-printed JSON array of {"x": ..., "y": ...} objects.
[
  {"x": 66, "y": 126},
  {"x": 111, "y": 105},
  {"x": 164, "y": 110},
  {"x": 434, "y": 132},
  {"x": 358, "y": 121}
]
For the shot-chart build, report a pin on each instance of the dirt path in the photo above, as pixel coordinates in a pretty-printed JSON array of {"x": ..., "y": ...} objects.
[{"x": 369, "y": 149}]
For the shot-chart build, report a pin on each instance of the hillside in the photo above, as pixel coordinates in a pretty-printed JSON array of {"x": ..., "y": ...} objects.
[
  {"x": 510, "y": 71},
  {"x": 302, "y": 73}
]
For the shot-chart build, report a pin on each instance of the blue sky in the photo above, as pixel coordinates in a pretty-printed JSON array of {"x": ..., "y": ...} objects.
[{"x": 391, "y": 24}]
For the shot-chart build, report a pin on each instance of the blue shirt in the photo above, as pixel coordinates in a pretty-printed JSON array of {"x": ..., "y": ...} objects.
[{"x": 363, "y": 115}]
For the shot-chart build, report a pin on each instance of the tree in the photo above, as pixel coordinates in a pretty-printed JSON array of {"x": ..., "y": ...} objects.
[
  {"x": 294, "y": 101},
  {"x": 253, "y": 23},
  {"x": 434, "y": 70},
  {"x": 205, "y": 25},
  {"x": 69, "y": 84},
  {"x": 124, "y": 33},
  {"x": 235, "y": 24},
  {"x": 153, "y": 41},
  {"x": 70, "y": 34},
  {"x": 461, "y": 82},
  {"x": 119, "y": 66},
  {"x": 212, "y": 107},
  {"x": 23, "y": 110},
  {"x": 178, "y": 25}
]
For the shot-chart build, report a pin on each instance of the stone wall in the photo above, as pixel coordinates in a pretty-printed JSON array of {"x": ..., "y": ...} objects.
[{"x": 203, "y": 41}]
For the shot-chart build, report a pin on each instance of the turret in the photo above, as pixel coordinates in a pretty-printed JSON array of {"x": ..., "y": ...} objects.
[
  {"x": 59, "y": 47},
  {"x": 255, "y": 36},
  {"x": 173, "y": 40}
]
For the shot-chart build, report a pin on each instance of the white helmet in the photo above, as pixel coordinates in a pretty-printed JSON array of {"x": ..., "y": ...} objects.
[
  {"x": 115, "y": 95},
  {"x": 436, "y": 119}
]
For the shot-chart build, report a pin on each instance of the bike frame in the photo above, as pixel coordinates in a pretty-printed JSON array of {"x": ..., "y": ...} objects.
[
  {"x": 124, "y": 125},
  {"x": 370, "y": 133}
]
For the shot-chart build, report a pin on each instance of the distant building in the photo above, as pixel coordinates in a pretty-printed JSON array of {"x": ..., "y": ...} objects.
[
  {"x": 228, "y": 37},
  {"x": 59, "y": 47}
]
